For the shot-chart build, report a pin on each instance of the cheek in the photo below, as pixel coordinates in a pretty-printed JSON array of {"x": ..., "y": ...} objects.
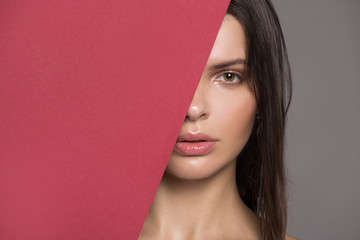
[{"x": 234, "y": 116}]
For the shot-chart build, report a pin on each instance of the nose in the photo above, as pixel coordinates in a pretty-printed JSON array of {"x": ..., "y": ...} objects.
[{"x": 199, "y": 107}]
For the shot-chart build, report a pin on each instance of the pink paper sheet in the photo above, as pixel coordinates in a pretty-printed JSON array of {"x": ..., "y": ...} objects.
[{"x": 92, "y": 97}]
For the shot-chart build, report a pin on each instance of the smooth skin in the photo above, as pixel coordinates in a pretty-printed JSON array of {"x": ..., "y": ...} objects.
[{"x": 197, "y": 197}]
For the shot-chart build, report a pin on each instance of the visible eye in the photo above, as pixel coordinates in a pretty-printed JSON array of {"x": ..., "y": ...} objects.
[{"x": 229, "y": 78}]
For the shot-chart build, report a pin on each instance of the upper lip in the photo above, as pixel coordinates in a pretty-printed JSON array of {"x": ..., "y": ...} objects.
[{"x": 189, "y": 137}]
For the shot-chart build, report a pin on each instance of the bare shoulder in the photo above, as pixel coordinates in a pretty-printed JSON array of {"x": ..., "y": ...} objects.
[{"x": 288, "y": 237}]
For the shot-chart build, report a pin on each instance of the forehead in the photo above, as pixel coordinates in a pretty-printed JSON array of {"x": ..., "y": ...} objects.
[{"x": 230, "y": 42}]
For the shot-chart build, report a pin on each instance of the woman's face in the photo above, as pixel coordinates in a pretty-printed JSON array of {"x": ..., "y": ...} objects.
[{"x": 223, "y": 108}]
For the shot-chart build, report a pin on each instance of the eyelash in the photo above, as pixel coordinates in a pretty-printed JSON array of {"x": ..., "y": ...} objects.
[{"x": 231, "y": 84}]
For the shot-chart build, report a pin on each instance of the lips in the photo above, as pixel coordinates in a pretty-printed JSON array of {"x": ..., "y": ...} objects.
[
  {"x": 188, "y": 137},
  {"x": 194, "y": 144}
]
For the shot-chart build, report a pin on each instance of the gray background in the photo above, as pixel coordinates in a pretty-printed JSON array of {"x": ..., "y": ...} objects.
[{"x": 323, "y": 145}]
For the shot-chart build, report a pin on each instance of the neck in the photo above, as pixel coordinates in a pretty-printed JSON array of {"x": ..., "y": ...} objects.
[{"x": 188, "y": 209}]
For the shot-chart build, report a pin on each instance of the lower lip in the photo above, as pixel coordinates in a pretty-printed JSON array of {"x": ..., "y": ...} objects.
[{"x": 194, "y": 148}]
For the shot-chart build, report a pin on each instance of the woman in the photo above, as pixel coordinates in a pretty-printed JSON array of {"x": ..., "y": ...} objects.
[{"x": 225, "y": 177}]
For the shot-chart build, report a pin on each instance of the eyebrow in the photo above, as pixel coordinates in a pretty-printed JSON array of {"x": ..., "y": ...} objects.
[{"x": 227, "y": 64}]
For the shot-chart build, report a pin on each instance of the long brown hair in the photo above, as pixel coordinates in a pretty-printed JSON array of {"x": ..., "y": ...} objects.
[{"x": 260, "y": 172}]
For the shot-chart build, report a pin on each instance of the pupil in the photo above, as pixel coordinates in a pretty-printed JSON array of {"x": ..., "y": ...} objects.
[{"x": 229, "y": 76}]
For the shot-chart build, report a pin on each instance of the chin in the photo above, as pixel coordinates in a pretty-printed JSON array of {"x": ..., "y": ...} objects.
[
  {"x": 193, "y": 168},
  {"x": 189, "y": 175}
]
